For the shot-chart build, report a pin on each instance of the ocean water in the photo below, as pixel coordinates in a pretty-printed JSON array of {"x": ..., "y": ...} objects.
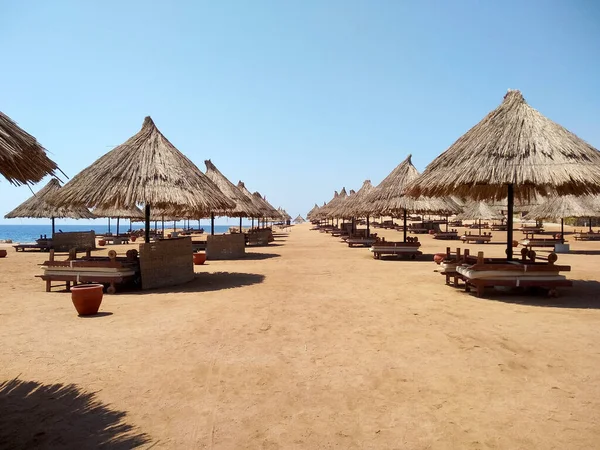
[{"x": 29, "y": 233}]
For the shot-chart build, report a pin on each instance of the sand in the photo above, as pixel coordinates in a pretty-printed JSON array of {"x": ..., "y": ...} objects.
[{"x": 305, "y": 344}]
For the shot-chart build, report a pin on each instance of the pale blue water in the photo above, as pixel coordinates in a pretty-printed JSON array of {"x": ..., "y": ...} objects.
[{"x": 29, "y": 233}]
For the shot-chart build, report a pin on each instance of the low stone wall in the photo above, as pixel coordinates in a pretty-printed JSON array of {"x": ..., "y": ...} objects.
[
  {"x": 166, "y": 262},
  {"x": 226, "y": 246}
]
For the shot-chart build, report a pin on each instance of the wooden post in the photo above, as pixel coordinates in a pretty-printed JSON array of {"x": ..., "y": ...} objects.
[
  {"x": 147, "y": 223},
  {"x": 509, "y": 223},
  {"x": 212, "y": 224},
  {"x": 404, "y": 216}
]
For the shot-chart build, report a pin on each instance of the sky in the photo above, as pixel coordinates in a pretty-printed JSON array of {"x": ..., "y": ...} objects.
[{"x": 297, "y": 99}]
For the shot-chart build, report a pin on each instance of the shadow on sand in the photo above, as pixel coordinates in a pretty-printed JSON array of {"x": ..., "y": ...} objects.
[
  {"x": 34, "y": 415},
  {"x": 260, "y": 256},
  {"x": 585, "y": 294},
  {"x": 206, "y": 282},
  {"x": 585, "y": 252}
]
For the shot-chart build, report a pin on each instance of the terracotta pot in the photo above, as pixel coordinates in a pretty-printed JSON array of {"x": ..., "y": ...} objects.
[
  {"x": 431, "y": 231},
  {"x": 199, "y": 258},
  {"x": 101, "y": 242},
  {"x": 2, "y": 253},
  {"x": 515, "y": 243},
  {"x": 87, "y": 298},
  {"x": 169, "y": 236},
  {"x": 132, "y": 238},
  {"x": 439, "y": 257}
]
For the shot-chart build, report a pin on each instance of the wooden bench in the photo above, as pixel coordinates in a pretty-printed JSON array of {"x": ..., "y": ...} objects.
[
  {"x": 587, "y": 236},
  {"x": 112, "y": 270},
  {"x": 361, "y": 241},
  {"x": 531, "y": 242},
  {"x": 410, "y": 248},
  {"x": 477, "y": 238},
  {"x": 23, "y": 247}
]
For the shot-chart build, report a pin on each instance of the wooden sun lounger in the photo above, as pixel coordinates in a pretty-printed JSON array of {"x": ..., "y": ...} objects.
[
  {"x": 587, "y": 236},
  {"x": 498, "y": 227},
  {"x": 524, "y": 273},
  {"x": 446, "y": 235},
  {"x": 531, "y": 243},
  {"x": 360, "y": 241}
]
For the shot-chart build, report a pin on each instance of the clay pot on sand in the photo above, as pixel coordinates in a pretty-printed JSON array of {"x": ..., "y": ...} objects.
[
  {"x": 199, "y": 258},
  {"x": 87, "y": 298},
  {"x": 101, "y": 242},
  {"x": 2, "y": 253},
  {"x": 439, "y": 257},
  {"x": 132, "y": 238}
]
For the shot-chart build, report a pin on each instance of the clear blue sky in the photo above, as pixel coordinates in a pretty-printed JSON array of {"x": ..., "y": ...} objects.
[{"x": 295, "y": 98}]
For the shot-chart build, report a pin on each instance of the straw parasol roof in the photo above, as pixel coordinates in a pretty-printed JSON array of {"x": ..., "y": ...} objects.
[
  {"x": 388, "y": 197},
  {"x": 256, "y": 201},
  {"x": 513, "y": 145},
  {"x": 132, "y": 212},
  {"x": 474, "y": 210},
  {"x": 561, "y": 207},
  {"x": 328, "y": 210},
  {"x": 299, "y": 219},
  {"x": 37, "y": 206},
  {"x": 357, "y": 205},
  {"x": 244, "y": 207},
  {"x": 269, "y": 211},
  {"x": 22, "y": 159},
  {"x": 340, "y": 209},
  {"x": 147, "y": 169},
  {"x": 312, "y": 212},
  {"x": 322, "y": 211},
  {"x": 283, "y": 213}
]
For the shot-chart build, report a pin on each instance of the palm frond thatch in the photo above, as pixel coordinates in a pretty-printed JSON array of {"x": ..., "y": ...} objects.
[
  {"x": 38, "y": 206},
  {"x": 357, "y": 205},
  {"x": 132, "y": 212},
  {"x": 299, "y": 219},
  {"x": 22, "y": 159},
  {"x": 283, "y": 213},
  {"x": 513, "y": 145},
  {"x": 563, "y": 207},
  {"x": 147, "y": 169},
  {"x": 269, "y": 211},
  {"x": 243, "y": 205},
  {"x": 388, "y": 197},
  {"x": 475, "y": 210},
  {"x": 328, "y": 211}
]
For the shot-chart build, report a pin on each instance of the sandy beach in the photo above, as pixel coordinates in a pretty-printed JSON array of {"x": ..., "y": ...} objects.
[{"x": 309, "y": 344}]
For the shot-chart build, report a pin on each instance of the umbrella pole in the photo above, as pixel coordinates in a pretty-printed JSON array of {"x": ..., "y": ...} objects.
[
  {"x": 509, "y": 223},
  {"x": 480, "y": 226},
  {"x": 404, "y": 217},
  {"x": 240, "y": 224},
  {"x": 117, "y": 226},
  {"x": 562, "y": 230},
  {"x": 252, "y": 225},
  {"x": 446, "y": 223},
  {"x": 109, "y": 225},
  {"x": 52, "y": 226},
  {"x": 147, "y": 223},
  {"x": 368, "y": 229},
  {"x": 212, "y": 224},
  {"x": 590, "y": 222},
  {"x": 163, "y": 226}
]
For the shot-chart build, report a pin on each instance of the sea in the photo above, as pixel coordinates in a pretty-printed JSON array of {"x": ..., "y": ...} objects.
[{"x": 25, "y": 234}]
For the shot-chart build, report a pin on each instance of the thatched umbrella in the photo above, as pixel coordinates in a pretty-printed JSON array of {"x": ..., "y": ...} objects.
[
  {"x": 37, "y": 206},
  {"x": 299, "y": 219},
  {"x": 22, "y": 159},
  {"x": 269, "y": 211},
  {"x": 131, "y": 213},
  {"x": 474, "y": 210},
  {"x": 565, "y": 206},
  {"x": 329, "y": 210},
  {"x": 513, "y": 152},
  {"x": 311, "y": 213},
  {"x": 243, "y": 205},
  {"x": 322, "y": 212},
  {"x": 147, "y": 169},
  {"x": 388, "y": 197},
  {"x": 284, "y": 215}
]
